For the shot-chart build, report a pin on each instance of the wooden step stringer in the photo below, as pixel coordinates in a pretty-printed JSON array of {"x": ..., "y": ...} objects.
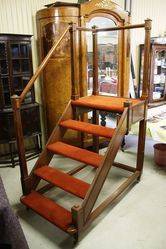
[
  {"x": 82, "y": 214},
  {"x": 46, "y": 156}
]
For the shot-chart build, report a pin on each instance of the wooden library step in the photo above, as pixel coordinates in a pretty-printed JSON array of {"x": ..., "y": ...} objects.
[
  {"x": 48, "y": 209},
  {"x": 105, "y": 103},
  {"x": 62, "y": 180},
  {"x": 82, "y": 155},
  {"x": 88, "y": 128}
]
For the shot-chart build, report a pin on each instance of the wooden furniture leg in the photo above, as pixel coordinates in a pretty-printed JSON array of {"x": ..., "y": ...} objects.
[{"x": 141, "y": 146}]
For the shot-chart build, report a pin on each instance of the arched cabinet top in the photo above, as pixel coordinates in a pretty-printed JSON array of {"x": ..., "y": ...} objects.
[{"x": 105, "y": 8}]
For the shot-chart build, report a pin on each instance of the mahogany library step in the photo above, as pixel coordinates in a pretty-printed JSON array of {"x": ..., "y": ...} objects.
[
  {"x": 48, "y": 209},
  {"x": 88, "y": 128},
  {"x": 104, "y": 103},
  {"x": 82, "y": 155},
  {"x": 62, "y": 180}
]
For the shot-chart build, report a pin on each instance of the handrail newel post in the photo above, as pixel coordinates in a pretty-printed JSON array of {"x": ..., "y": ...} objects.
[
  {"x": 78, "y": 219},
  {"x": 145, "y": 93},
  {"x": 146, "y": 67},
  {"x": 95, "y": 84},
  {"x": 74, "y": 76},
  {"x": 25, "y": 180},
  {"x": 128, "y": 104},
  {"x": 95, "y": 62}
]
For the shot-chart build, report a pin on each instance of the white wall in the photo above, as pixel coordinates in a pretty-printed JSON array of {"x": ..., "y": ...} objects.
[{"x": 19, "y": 17}]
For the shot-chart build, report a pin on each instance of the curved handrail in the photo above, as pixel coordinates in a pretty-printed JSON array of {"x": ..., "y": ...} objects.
[{"x": 41, "y": 67}]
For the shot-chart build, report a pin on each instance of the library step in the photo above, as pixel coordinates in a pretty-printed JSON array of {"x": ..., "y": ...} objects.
[
  {"x": 62, "y": 180},
  {"x": 93, "y": 129},
  {"x": 48, "y": 209},
  {"x": 104, "y": 103},
  {"x": 78, "y": 154}
]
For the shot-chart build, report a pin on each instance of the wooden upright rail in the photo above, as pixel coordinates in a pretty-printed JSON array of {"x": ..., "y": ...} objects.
[
  {"x": 146, "y": 83},
  {"x": 95, "y": 63},
  {"x": 74, "y": 76},
  {"x": 16, "y": 104}
]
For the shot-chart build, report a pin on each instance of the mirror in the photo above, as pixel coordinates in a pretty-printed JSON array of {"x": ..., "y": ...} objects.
[{"x": 107, "y": 56}]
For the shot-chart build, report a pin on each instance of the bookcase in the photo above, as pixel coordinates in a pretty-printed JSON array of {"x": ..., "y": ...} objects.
[
  {"x": 157, "y": 88},
  {"x": 15, "y": 72}
]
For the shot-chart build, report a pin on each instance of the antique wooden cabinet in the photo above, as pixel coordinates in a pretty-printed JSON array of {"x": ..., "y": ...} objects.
[
  {"x": 51, "y": 22},
  {"x": 157, "y": 88},
  {"x": 15, "y": 72}
]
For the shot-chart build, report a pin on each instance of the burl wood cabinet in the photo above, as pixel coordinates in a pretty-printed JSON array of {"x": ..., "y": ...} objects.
[
  {"x": 15, "y": 72},
  {"x": 51, "y": 22}
]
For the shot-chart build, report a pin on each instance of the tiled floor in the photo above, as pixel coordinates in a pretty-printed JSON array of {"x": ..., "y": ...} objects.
[{"x": 136, "y": 222}]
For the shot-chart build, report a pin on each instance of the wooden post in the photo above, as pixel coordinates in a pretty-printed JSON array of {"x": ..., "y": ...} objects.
[
  {"x": 95, "y": 63},
  {"x": 20, "y": 143},
  {"x": 145, "y": 94},
  {"x": 95, "y": 85},
  {"x": 146, "y": 68},
  {"x": 128, "y": 104},
  {"x": 78, "y": 221},
  {"x": 74, "y": 78}
]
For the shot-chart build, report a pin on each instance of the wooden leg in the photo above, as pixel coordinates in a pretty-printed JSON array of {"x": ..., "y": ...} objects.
[
  {"x": 141, "y": 146},
  {"x": 12, "y": 155},
  {"x": 123, "y": 144},
  {"x": 95, "y": 138},
  {"x": 103, "y": 118}
]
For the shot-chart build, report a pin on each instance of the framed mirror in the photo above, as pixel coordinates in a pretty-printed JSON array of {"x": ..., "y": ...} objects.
[{"x": 107, "y": 56}]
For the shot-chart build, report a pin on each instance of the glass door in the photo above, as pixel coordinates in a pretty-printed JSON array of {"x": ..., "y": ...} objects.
[{"x": 159, "y": 80}]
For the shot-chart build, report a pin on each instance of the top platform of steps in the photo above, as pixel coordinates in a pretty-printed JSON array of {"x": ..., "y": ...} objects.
[{"x": 104, "y": 103}]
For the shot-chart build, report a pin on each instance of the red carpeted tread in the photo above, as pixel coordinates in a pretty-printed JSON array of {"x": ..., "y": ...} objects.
[
  {"x": 82, "y": 155},
  {"x": 114, "y": 104},
  {"x": 88, "y": 128},
  {"x": 63, "y": 180},
  {"x": 48, "y": 209}
]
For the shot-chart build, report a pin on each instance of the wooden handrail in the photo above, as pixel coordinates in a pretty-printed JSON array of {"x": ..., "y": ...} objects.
[
  {"x": 41, "y": 67},
  {"x": 26, "y": 179},
  {"x": 84, "y": 29},
  {"x": 135, "y": 26}
]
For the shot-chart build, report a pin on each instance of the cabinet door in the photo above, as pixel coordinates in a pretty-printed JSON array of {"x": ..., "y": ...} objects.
[
  {"x": 4, "y": 76},
  {"x": 158, "y": 84},
  {"x": 157, "y": 88},
  {"x": 21, "y": 68}
]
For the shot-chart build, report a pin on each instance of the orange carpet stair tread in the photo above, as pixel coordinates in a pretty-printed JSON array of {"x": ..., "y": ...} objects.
[
  {"x": 82, "y": 155},
  {"x": 48, "y": 209},
  {"x": 114, "y": 104},
  {"x": 62, "y": 180},
  {"x": 88, "y": 128}
]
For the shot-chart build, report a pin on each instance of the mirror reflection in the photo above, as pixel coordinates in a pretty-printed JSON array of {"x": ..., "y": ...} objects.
[{"x": 107, "y": 57}]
